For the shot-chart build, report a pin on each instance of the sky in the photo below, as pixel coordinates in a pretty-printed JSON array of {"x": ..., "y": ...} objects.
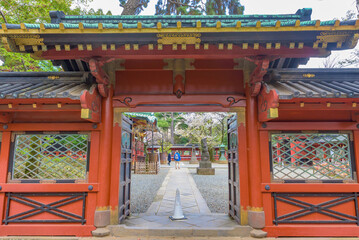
[{"x": 322, "y": 10}]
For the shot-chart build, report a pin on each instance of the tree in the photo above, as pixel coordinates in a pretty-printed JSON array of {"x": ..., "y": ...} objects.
[
  {"x": 35, "y": 11},
  {"x": 184, "y": 7},
  {"x": 204, "y": 125},
  {"x": 167, "y": 122},
  {"x": 198, "y": 7},
  {"x": 133, "y": 7}
]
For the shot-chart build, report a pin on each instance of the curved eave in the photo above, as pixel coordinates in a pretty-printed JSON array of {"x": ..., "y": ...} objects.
[
  {"x": 285, "y": 41},
  {"x": 114, "y": 28}
]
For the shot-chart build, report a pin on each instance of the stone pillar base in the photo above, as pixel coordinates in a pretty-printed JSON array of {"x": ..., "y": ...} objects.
[
  {"x": 101, "y": 232},
  {"x": 102, "y": 218},
  {"x": 256, "y": 219},
  {"x": 205, "y": 171},
  {"x": 256, "y": 233}
]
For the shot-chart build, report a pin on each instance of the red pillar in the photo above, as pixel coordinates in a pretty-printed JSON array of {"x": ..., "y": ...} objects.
[
  {"x": 102, "y": 214},
  {"x": 115, "y": 164},
  {"x": 255, "y": 213}
]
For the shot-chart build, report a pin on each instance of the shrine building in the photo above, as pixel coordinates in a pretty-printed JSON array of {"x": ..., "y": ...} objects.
[{"x": 293, "y": 155}]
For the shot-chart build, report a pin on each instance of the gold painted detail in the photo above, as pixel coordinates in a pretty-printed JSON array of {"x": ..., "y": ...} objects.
[
  {"x": 102, "y": 208},
  {"x": 85, "y": 113},
  {"x": 273, "y": 113},
  {"x": 25, "y": 39},
  {"x": 53, "y": 77},
  {"x": 353, "y": 40},
  {"x": 244, "y": 216},
  {"x": 117, "y": 115},
  {"x": 309, "y": 75},
  {"x": 241, "y": 115},
  {"x": 338, "y": 37},
  {"x": 179, "y": 65},
  {"x": 334, "y": 36},
  {"x": 10, "y": 44},
  {"x": 178, "y": 38},
  {"x": 255, "y": 209},
  {"x": 114, "y": 215}
]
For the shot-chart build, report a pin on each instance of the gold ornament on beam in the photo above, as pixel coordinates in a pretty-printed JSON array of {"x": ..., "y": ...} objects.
[{"x": 178, "y": 38}]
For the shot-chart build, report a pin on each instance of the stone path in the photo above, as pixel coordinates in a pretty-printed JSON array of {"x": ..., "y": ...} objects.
[
  {"x": 191, "y": 199},
  {"x": 200, "y": 221}
]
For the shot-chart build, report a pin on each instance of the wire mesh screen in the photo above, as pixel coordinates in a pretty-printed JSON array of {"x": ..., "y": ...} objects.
[
  {"x": 50, "y": 156},
  {"x": 311, "y": 156}
]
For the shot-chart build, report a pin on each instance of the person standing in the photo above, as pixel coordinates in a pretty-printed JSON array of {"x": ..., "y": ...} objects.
[
  {"x": 169, "y": 159},
  {"x": 177, "y": 158}
]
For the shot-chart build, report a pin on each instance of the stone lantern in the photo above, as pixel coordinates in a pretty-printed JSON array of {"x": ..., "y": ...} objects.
[{"x": 222, "y": 158}]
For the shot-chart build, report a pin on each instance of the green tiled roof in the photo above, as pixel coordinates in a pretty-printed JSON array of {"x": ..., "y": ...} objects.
[
  {"x": 187, "y": 20},
  {"x": 170, "y": 21},
  {"x": 150, "y": 117}
]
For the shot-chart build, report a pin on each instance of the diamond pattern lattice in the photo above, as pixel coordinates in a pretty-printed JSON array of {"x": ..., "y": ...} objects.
[
  {"x": 311, "y": 156},
  {"x": 50, "y": 156}
]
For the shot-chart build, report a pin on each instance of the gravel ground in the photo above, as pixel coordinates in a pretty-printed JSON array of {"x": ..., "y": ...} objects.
[
  {"x": 214, "y": 189},
  {"x": 144, "y": 188}
]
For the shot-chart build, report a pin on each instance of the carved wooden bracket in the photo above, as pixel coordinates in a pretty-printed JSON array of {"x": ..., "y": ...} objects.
[
  {"x": 100, "y": 75},
  {"x": 268, "y": 103},
  {"x": 179, "y": 67},
  {"x": 258, "y": 74},
  {"x": 178, "y": 85},
  {"x": 91, "y": 105}
]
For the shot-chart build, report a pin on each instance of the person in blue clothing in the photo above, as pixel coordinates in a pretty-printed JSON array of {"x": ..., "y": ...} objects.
[{"x": 177, "y": 158}]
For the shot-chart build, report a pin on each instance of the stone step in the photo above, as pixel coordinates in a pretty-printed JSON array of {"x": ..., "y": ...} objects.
[{"x": 127, "y": 231}]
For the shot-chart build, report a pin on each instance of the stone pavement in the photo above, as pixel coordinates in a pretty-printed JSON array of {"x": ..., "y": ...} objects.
[
  {"x": 200, "y": 221},
  {"x": 191, "y": 199}
]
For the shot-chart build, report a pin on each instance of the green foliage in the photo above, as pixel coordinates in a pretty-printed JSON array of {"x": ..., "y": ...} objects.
[
  {"x": 224, "y": 7},
  {"x": 35, "y": 11},
  {"x": 166, "y": 147},
  {"x": 197, "y": 7},
  {"x": 164, "y": 122},
  {"x": 181, "y": 140}
]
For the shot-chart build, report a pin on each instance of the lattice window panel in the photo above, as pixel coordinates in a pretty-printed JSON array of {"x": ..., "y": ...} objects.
[
  {"x": 312, "y": 157},
  {"x": 42, "y": 156}
]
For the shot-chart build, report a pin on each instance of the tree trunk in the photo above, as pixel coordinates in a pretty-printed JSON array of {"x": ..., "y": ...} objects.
[
  {"x": 172, "y": 129},
  {"x": 3, "y": 16},
  {"x": 130, "y": 7}
]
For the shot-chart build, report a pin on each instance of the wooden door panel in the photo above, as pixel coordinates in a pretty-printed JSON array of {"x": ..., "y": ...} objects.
[
  {"x": 125, "y": 169},
  {"x": 233, "y": 170}
]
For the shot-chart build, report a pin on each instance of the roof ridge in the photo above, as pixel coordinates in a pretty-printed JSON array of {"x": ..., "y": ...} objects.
[{"x": 303, "y": 14}]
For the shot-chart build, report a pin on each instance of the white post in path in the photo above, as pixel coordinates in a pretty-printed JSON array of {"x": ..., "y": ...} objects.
[{"x": 178, "y": 212}]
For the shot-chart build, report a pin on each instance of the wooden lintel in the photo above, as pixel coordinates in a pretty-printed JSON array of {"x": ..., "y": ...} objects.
[
  {"x": 39, "y": 108},
  {"x": 316, "y": 105},
  {"x": 162, "y": 100},
  {"x": 5, "y": 117},
  {"x": 355, "y": 116},
  {"x": 91, "y": 105}
]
